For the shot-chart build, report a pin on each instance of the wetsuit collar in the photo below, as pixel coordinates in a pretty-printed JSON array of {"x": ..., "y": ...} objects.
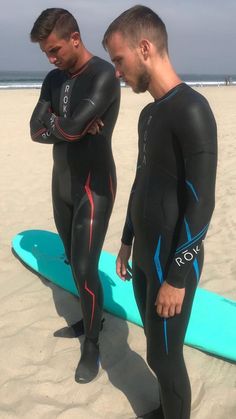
[
  {"x": 81, "y": 69},
  {"x": 170, "y": 92}
]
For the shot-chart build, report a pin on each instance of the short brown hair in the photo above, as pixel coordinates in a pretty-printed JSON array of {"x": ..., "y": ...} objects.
[
  {"x": 136, "y": 22},
  {"x": 54, "y": 19}
]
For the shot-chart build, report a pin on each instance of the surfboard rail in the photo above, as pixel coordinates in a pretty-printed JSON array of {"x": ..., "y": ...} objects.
[{"x": 212, "y": 323}]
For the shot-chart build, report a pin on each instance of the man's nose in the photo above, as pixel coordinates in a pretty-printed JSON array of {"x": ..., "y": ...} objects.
[
  {"x": 118, "y": 74},
  {"x": 52, "y": 59}
]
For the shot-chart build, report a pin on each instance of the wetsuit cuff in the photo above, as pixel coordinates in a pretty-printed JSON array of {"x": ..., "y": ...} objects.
[
  {"x": 176, "y": 282},
  {"x": 127, "y": 237},
  {"x": 127, "y": 242},
  {"x": 49, "y": 120}
]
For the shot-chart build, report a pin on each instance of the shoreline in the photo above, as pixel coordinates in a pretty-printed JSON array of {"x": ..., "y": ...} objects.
[{"x": 38, "y": 86}]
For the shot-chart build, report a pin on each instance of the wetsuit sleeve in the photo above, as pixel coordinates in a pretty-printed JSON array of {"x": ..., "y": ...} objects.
[
  {"x": 128, "y": 230},
  {"x": 102, "y": 93},
  {"x": 197, "y": 138},
  {"x": 38, "y": 130}
]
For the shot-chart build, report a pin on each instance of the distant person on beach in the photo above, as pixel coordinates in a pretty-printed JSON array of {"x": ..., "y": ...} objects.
[
  {"x": 76, "y": 112},
  {"x": 171, "y": 201},
  {"x": 228, "y": 80}
]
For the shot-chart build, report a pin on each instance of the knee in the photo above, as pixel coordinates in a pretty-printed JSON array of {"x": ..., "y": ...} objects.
[
  {"x": 81, "y": 270},
  {"x": 167, "y": 367},
  {"x": 152, "y": 362},
  {"x": 79, "y": 265},
  {"x": 159, "y": 365},
  {"x": 84, "y": 273}
]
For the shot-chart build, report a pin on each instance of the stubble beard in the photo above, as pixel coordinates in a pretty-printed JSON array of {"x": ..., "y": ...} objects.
[{"x": 143, "y": 81}]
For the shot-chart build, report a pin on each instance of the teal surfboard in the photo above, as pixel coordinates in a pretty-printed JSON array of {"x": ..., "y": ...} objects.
[{"x": 213, "y": 318}]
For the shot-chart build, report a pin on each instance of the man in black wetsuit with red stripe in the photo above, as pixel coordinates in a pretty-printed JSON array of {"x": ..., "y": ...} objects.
[
  {"x": 76, "y": 112},
  {"x": 171, "y": 201}
]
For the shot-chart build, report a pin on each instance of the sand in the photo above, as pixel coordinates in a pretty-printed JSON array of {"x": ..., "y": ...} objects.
[{"x": 37, "y": 369}]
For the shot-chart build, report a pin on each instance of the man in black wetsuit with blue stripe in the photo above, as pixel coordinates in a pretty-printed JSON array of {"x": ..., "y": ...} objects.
[
  {"x": 76, "y": 112},
  {"x": 171, "y": 201}
]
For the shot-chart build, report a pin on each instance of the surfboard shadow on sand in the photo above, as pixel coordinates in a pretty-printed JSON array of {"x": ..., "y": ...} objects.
[{"x": 126, "y": 369}]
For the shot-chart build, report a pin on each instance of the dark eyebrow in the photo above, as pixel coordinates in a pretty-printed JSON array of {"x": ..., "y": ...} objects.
[
  {"x": 116, "y": 58},
  {"x": 54, "y": 49}
]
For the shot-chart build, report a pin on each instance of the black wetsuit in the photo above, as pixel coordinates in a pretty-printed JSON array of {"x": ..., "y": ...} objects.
[
  {"x": 84, "y": 177},
  {"x": 169, "y": 211}
]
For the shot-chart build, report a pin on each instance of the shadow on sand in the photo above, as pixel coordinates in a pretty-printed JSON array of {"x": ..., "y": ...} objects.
[{"x": 126, "y": 369}]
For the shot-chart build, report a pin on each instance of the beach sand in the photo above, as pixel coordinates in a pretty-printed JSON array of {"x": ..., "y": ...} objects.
[{"x": 37, "y": 369}]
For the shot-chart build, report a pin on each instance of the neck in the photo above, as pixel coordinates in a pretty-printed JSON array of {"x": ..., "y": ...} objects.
[
  {"x": 83, "y": 57},
  {"x": 163, "y": 77}
]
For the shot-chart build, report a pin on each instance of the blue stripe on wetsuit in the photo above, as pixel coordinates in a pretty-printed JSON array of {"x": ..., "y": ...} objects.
[
  {"x": 192, "y": 240},
  {"x": 192, "y": 189},
  {"x": 195, "y": 263}
]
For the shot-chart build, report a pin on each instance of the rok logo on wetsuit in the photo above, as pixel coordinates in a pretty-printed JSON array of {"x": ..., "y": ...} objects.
[{"x": 187, "y": 256}]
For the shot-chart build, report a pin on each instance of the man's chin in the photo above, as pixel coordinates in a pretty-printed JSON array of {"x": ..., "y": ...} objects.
[
  {"x": 60, "y": 66},
  {"x": 133, "y": 87},
  {"x": 137, "y": 89}
]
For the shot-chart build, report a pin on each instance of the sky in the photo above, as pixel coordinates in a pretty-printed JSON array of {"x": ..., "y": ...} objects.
[{"x": 202, "y": 33}]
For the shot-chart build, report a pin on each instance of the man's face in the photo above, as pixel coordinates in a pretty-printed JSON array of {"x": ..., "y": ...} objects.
[
  {"x": 128, "y": 63},
  {"x": 60, "y": 52}
]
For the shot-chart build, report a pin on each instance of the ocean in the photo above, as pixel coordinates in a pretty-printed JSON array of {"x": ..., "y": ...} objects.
[{"x": 33, "y": 79}]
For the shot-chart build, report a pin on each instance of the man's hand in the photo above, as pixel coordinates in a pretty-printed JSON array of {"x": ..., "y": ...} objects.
[
  {"x": 96, "y": 127},
  {"x": 123, "y": 268},
  {"x": 169, "y": 300}
]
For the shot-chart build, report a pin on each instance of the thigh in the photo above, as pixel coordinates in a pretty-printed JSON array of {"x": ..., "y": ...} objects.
[
  {"x": 63, "y": 214},
  {"x": 89, "y": 226},
  {"x": 140, "y": 288}
]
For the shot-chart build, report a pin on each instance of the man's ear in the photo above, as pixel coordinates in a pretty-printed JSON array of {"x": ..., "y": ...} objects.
[
  {"x": 144, "y": 46},
  {"x": 75, "y": 36}
]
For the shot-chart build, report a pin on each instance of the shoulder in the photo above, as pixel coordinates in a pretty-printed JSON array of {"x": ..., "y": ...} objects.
[
  {"x": 99, "y": 67},
  {"x": 191, "y": 111},
  {"x": 193, "y": 120},
  {"x": 102, "y": 64},
  {"x": 53, "y": 75},
  {"x": 103, "y": 75},
  {"x": 192, "y": 103}
]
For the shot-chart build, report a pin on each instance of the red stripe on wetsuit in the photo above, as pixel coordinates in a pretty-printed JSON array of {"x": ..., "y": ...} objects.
[{"x": 90, "y": 197}]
